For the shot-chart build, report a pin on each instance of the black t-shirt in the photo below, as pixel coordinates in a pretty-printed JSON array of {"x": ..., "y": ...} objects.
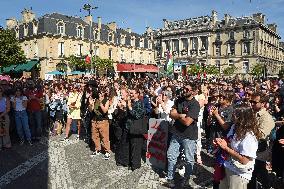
[{"x": 191, "y": 108}]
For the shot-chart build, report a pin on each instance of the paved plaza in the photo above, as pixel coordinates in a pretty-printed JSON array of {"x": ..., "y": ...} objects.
[{"x": 55, "y": 164}]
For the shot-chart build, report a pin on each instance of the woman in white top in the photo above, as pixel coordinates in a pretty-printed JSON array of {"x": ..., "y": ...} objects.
[
  {"x": 19, "y": 102},
  {"x": 241, "y": 149}
]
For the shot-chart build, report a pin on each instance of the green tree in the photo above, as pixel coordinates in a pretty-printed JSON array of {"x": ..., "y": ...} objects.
[
  {"x": 193, "y": 69},
  {"x": 229, "y": 71},
  {"x": 257, "y": 70},
  {"x": 77, "y": 63},
  {"x": 103, "y": 65},
  {"x": 10, "y": 50},
  {"x": 212, "y": 70}
]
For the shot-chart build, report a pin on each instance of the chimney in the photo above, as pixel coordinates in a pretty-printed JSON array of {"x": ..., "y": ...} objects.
[
  {"x": 112, "y": 26},
  {"x": 28, "y": 15},
  {"x": 273, "y": 27},
  {"x": 214, "y": 17},
  {"x": 128, "y": 30},
  {"x": 227, "y": 18},
  {"x": 88, "y": 19},
  {"x": 99, "y": 22},
  {"x": 259, "y": 17},
  {"x": 11, "y": 23}
]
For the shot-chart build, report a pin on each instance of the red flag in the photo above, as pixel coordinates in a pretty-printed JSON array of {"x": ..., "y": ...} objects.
[{"x": 88, "y": 60}]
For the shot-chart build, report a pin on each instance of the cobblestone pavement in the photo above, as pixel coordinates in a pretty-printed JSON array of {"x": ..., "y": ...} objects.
[{"x": 53, "y": 164}]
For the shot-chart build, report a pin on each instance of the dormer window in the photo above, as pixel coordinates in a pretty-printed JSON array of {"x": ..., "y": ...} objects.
[
  {"x": 133, "y": 41},
  {"x": 35, "y": 28},
  {"x": 122, "y": 40},
  {"x": 110, "y": 37},
  {"x": 96, "y": 35},
  {"x": 80, "y": 32},
  {"x": 60, "y": 28},
  {"x": 25, "y": 30},
  {"x": 141, "y": 43}
]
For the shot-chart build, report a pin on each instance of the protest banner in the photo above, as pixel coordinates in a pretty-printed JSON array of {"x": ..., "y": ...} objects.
[{"x": 157, "y": 139}]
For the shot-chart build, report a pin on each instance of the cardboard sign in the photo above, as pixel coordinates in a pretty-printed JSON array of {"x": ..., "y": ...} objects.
[{"x": 157, "y": 139}]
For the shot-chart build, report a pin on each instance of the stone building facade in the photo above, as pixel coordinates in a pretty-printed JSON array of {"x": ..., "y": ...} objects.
[
  {"x": 53, "y": 37},
  {"x": 239, "y": 41}
]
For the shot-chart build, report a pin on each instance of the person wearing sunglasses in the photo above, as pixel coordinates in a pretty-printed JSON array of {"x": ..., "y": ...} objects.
[
  {"x": 184, "y": 134},
  {"x": 258, "y": 103}
]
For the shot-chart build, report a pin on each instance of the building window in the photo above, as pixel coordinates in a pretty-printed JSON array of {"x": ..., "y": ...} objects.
[
  {"x": 35, "y": 29},
  {"x": 133, "y": 41},
  {"x": 110, "y": 54},
  {"x": 246, "y": 34},
  {"x": 218, "y": 65},
  {"x": 25, "y": 30},
  {"x": 110, "y": 37},
  {"x": 246, "y": 48},
  {"x": 122, "y": 40},
  {"x": 194, "y": 43},
  {"x": 132, "y": 56},
  {"x": 204, "y": 45},
  {"x": 60, "y": 28},
  {"x": 96, "y": 35},
  {"x": 231, "y": 49},
  {"x": 231, "y": 63},
  {"x": 150, "y": 44},
  {"x": 246, "y": 66},
  {"x": 80, "y": 32},
  {"x": 97, "y": 51},
  {"x": 122, "y": 56},
  {"x": 176, "y": 45},
  {"x": 149, "y": 58},
  {"x": 184, "y": 44},
  {"x": 141, "y": 43},
  {"x": 141, "y": 57},
  {"x": 218, "y": 37},
  {"x": 80, "y": 49},
  {"x": 61, "y": 49},
  {"x": 36, "y": 49},
  {"x": 167, "y": 43},
  {"x": 218, "y": 50},
  {"x": 27, "y": 50},
  {"x": 232, "y": 35}
]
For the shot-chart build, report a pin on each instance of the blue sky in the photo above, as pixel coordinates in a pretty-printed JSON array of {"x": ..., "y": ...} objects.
[{"x": 137, "y": 14}]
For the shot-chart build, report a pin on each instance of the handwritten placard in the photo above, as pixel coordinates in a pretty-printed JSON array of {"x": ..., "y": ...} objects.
[{"x": 157, "y": 138}]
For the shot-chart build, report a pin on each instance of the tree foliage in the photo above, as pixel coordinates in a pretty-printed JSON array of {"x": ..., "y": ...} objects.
[
  {"x": 212, "y": 70},
  {"x": 257, "y": 70},
  {"x": 79, "y": 63},
  {"x": 229, "y": 71},
  {"x": 10, "y": 50},
  {"x": 193, "y": 69}
]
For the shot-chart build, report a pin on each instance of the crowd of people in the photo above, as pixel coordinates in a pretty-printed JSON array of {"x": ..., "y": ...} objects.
[{"x": 239, "y": 122}]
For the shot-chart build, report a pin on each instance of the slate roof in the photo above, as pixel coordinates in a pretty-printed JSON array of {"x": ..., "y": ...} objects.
[{"x": 48, "y": 24}]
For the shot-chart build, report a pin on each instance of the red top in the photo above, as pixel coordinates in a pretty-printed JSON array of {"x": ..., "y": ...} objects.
[{"x": 34, "y": 104}]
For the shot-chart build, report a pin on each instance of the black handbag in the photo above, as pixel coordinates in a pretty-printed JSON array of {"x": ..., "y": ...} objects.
[{"x": 139, "y": 126}]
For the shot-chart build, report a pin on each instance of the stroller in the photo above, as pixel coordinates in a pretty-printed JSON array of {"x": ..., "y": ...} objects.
[{"x": 57, "y": 108}]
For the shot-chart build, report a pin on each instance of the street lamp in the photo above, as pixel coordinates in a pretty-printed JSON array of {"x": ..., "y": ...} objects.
[{"x": 88, "y": 8}]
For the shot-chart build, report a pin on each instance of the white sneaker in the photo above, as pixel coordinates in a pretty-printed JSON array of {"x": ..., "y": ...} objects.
[
  {"x": 106, "y": 156},
  {"x": 167, "y": 182}
]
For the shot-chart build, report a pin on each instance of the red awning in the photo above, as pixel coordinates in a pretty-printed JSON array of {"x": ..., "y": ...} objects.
[{"x": 136, "y": 68}]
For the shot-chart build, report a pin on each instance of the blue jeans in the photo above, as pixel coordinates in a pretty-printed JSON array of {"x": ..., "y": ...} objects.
[
  {"x": 189, "y": 147},
  {"x": 35, "y": 123},
  {"x": 22, "y": 124}
]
